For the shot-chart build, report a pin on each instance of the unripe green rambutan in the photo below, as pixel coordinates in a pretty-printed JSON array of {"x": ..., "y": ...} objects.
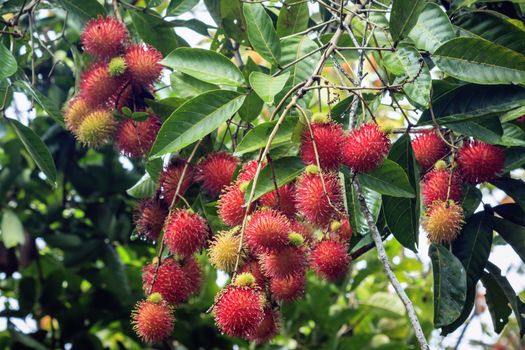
[
  {"x": 244, "y": 279},
  {"x": 96, "y": 129},
  {"x": 117, "y": 66}
]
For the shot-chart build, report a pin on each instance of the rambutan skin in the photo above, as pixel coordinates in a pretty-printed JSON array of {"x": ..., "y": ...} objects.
[
  {"x": 171, "y": 281},
  {"x": 312, "y": 202},
  {"x": 97, "y": 85},
  {"x": 479, "y": 162},
  {"x": 283, "y": 200},
  {"x": 231, "y": 205},
  {"x": 104, "y": 37},
  {"x": 223, "y": 250},
  {"x": 364, "y": 149},
  {"x": 267, "y": 231},
  {"x": 330, "y": 260},
  {"x": 284, "y": 263},
  {"x": 135, "y": 138},
  {"x": 185, "y": 232},
  {"x": 443, "y": 221},
  {"x": 216, "y": 171},
  {"x": 149, "y": 217},
  {"x": 238, "y": 311},
  {"x": 304, "y": 230},
  {"x": 288, "y": 289},
  {"x": 328, "y": 139},
  {"x": 143, "y": 64},
  {"x": 248, "y": 171},
  {"x": 76, "y": 111},
  {"x": 436, "y": 186},
  {"x": 428, "y": 148},
  {"x": 268, "y": 327},
  {"x": 343, "y": 232},
  {"x": 152, "y": 321},
  {"x": 252, "y": 266},
  {"x": 170, "y": 177},
  {"x": 193, "y": 272},
  {"x": 96, "y": 129}
]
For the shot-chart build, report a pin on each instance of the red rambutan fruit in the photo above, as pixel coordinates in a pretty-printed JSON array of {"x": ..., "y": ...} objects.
[
  {"x": 288, "y": 289},
  {"x": 267, "y": 231},
  {"x": 312, "y": 202},
  {"x": 104, "y": 37},
  {"x": 479, "y": 162},
  {"x": 268, "y": 327},
  {"x": 216, "y": 171},
  {"x": 436, "y": 186},
  {"x": 185, "y": 232},
  {"x": 96, "y": 129},
  {"x": 286, "y": 262},
  {"x": 124, "y": 96},
  {"x": 238, "y": 310},
  {"x": 365, "y": 148},
  {"x": 428, "y": 148},
  {"x": 443, "y": 221},
  {"x": 153, "y": 319},
  {"x": 341, "y": 230},
  {"x": 97, "y": 86},
  {"x": 329, "y": 259},
  {"x": 231, "y": 205},
  {"x": 143, "y": 64},
  {"x": 284, "y": 201},
  {"x": 77, "y": 109},
  {"x": 253, "y": 267},
  {"x": 248, "y": 171},
  {"x": 193, "y": 272},
  {"x": 171, "y": 281},
  {"x": 170, "y": 177},
  {"x": 149, "y": 217},
  {"x": 521, "y": 119},
  {"x": 135, "y": 138},
  {"x": 328, "y": 139}
]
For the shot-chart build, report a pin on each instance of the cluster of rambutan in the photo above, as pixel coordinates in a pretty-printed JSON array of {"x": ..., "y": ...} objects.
[
  {"x": 113, "y": 88},
  {"x": 442, "y": 183}
]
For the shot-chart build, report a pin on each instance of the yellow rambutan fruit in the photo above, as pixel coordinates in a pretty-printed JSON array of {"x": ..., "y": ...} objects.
[
  {"x": 223, "y": 250},
  {"x": 443, "y": 221},
  {"x": 76, "y": 110},
  {"x": 96, "y": 129}
]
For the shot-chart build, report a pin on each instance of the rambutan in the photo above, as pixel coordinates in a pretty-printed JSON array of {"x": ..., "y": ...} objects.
[
  {"x": 97, "y": 85},
  {"x": 267, "y": 231},
  {"x": 521, "y": 119},
  {"x": 428, "y": 148},
  {"x": 365, "y": 148},
  {"x": 149, "y": 217},
  {"x": 124, "y": 96},
  {"x": 96, "y": 129},
  {"x": 479, "y": 162},
  {"x": 238, "y": 311},
  {"x": 171, "y": 281},
  {"x": 185, "y": 232},
  {"x": 443, "y": 221},
  {"x": 436, "y": 186},
  {"x": 317, "y": 206},
  {"x": 223, "y": 250},
  {"x": 283, "y": 200},
  {"x": 143, "y": 64},
  {"x": 288, "y": 289},
  {"x": 328, "y": 139},
  {"x": 170, "y": 177},
  {"x": 231, "y": 205},
  {"x": 253, "y": 267},
  {"x": 193, "y": 272},
  {"x": 117, "y": 66},
  {"x": 248, "y": 171},
  {"x": 244, "y": 279},
  {"x": 104, "y": 37},
  {"x": 268, "y": 327},
  {"x": 304, "y": 230},
  {"x": 341, "y": 230},
  {"x": 77, "y": 109},
  {"x": 135, "y": 138},
  {"x": 329, "y": 259},
  {"x": 153, "y": 319},
  {"x": 283, "y": 263},
  {"x": 216, "y": 171}
]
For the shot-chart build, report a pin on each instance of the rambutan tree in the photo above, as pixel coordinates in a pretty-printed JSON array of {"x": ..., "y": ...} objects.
[{"x": 225, "y": 174}]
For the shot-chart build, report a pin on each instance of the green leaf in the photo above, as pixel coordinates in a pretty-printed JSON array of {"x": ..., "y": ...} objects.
[
  {"x": 84, "y": 10},
  {"x": 8, "y": 66},
  {"x": 184, "y": 85},
  {"x": 402, "y": 214},
  {"x": 267, "y": 86},
  {"x": 513, "y": 300},
  {"x": 11, "y": 229},
  {"x": 480, "y": 61},
  {"x": 433, "y": 28},
  {"x": 450, "y": 285},
  {"x": 404, "y": 16},
  {"x": 513, "y": 234},
  {"x": 144, "y": 188},
  {"x": 155, "y": 31},
  {"x": 418, "y": 90},
  {"x": 205, "y": 65},
  {"x": 511, "y": 212},
  {"x": 514, "y": 158},
  {"x": 251, "y": 108},
  {"x": 36, "y": 149},
  {"x": 47, "y": 105},
  {"x": 292, "y": 18},
  {"x": 261, "y": 33},
  {"x": 512, "y": 187},
  {"x": 389, "y": 179},
  {"x": 286, "y": 170},
  {"x": 465, "y": 313},
  {"x": 195, "y": 119},
  {"x": 164, "y": 107},
  {"x": 257, "y": 137},
  {"x": 498, "y": 307},
  {"x": 179, "y": 7},
  {"x": 485, "y": 129},
  {"x": 513, "y": 135},
  {"x": 471, "y": 199}
]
